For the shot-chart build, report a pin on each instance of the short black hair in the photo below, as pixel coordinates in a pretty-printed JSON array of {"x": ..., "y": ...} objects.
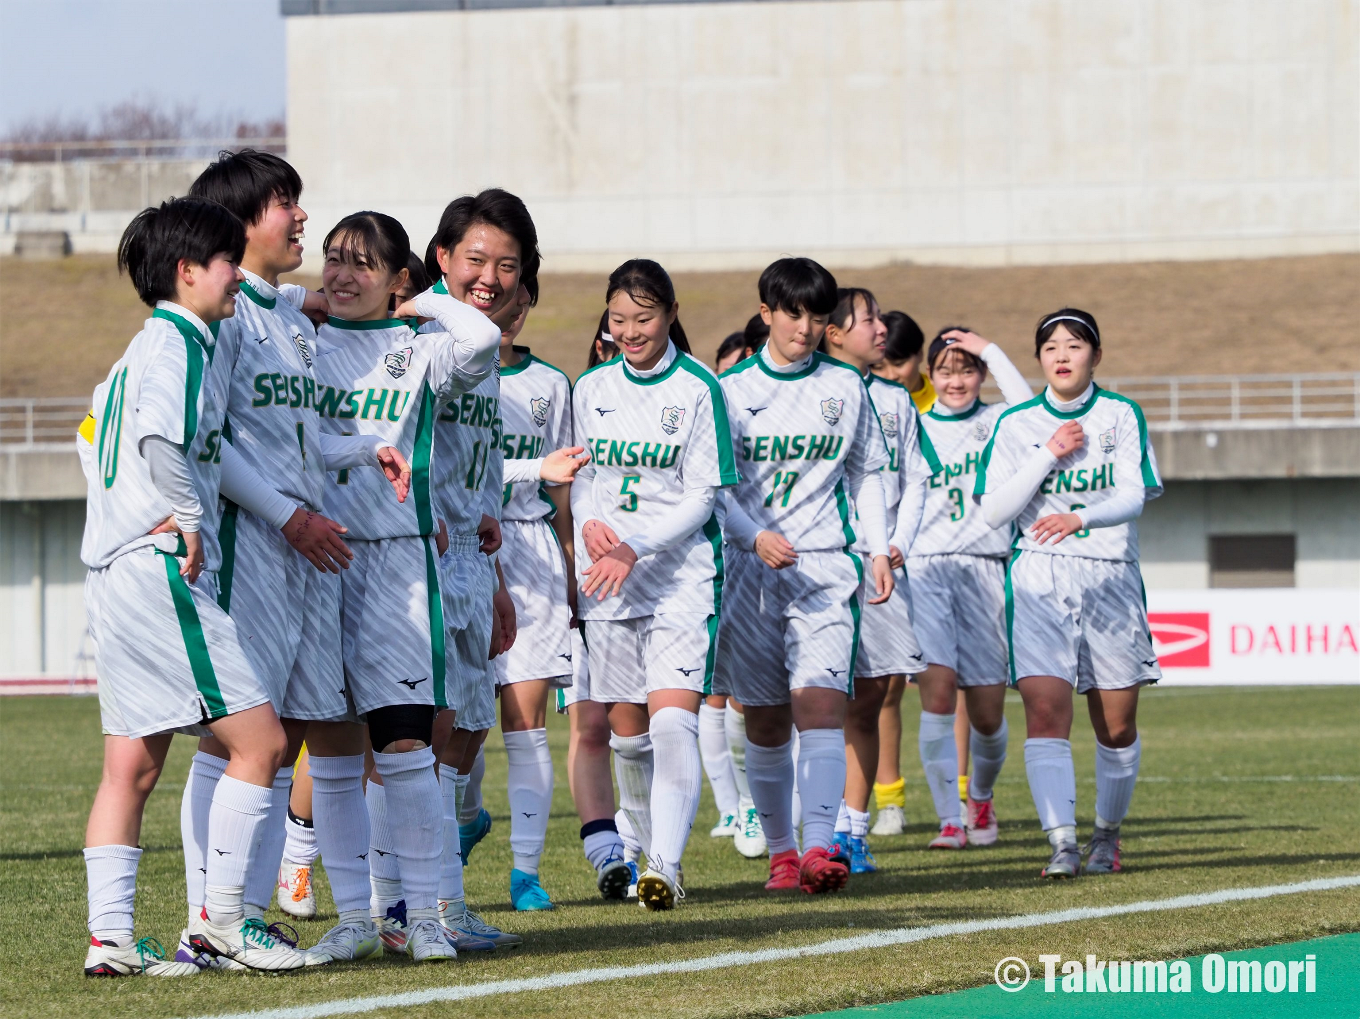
[
  {"x": 191, "y": 229},
  {"x": 905, "y": 338},
  {"x": 420, "y": 279},
  {"x": 1081, "y": 324},
  {"x": 756, "y": 332},
  {"x": 494, "y": 207},
  {"x": 375, "y": 236},
  {"x": 798, "y": 285},
  {"x": 940, "y": 346},
  {"x": 647, "y": 283},
  {"x": 246, "y": 181},
  {"x": 733, "y": 343}
]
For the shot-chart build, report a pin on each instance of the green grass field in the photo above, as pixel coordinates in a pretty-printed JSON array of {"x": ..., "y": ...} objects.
[{"x": 1241, "y": 787}]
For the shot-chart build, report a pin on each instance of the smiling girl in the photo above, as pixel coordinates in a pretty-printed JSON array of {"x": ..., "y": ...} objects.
[{"x": 1072, "y": 469}]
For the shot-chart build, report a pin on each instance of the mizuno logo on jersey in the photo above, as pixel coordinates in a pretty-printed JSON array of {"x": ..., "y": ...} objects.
[
  {"x": 687, "y": 672},
  {"x": 671, "y": 419},
  {"x": 411, "y": 684},
  {"x": 602, "y": 411},
  {"x": 398, "y": 361},
  {"x": 791, "y": 447},
  {"x": 377, "y": 403},
  {"x": 1083, "y": 479},
  {"x": 949, "y": 472},
  {"x": 832, "y": 410},
  {"x": 635, "y": 453},
  {"x": 538, "y": 410},
  {"x": 522, "y": 447},
  {"x": 753, "y": 411}
]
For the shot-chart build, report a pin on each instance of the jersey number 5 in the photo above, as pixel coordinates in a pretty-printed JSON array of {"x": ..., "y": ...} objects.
[
  {"x": 629, "y": 497},
  {"x": 786, "y": 478}
]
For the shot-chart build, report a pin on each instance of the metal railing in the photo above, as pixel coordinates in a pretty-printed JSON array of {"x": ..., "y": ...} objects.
[
  {"x": 134, "y": 148},
  {"x": 42, "y": 420}
]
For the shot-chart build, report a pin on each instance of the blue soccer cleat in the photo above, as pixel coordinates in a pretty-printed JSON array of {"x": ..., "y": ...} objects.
[
  {"x": 526, "y": 893},
  {"x": 473, "y": 832},
  {"x": 861, "y": 860},
  {"x": 839, "y": 850}
]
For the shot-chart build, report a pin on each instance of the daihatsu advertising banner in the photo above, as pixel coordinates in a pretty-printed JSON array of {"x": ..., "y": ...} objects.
[{"x": 1256, "y": 635}]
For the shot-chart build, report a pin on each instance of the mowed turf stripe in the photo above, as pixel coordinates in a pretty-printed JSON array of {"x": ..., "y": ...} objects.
[{"x": 726, "y": 960}]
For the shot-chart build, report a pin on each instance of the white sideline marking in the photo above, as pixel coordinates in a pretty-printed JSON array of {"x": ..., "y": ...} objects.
[{"x": 875, "y": 939}]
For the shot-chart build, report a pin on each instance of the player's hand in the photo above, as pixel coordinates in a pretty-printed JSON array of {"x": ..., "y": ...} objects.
[
  {"x": 600, "y": 539},
  {"x": 1067, "y": 440},
  {"x": 774, "y": 550},
  {"x": 489, "y": 534},
  {"x": 396, "y": 469},
  {"x": 560, "y": 466},
  {"x": 895, "y": 558},
  {"x": 1056, "y": 526},
  {"x": 883, "y": 580},
  {"x": 318, "y": 539},
  {"x": 316, "y": 307},
  {"x": 193, "y": 556},
  {"x": 608, "y": 573},
  {"x": 969, "y": 341},
  {"x": 503, "y": 608},
  {"x": 441, "y": 538}
]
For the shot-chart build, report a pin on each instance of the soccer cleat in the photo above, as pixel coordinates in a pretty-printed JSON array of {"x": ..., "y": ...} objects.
[
  {"x": 655, "y": 891},
  {"x": 246, "y": 941},
  {"x": 468, "y": 924},
  {"x": 951, "y": 837},
  {"x": 614, "y": 877},
  {"x": 726, "y": 827},
  {"x": 462, "y": 940},
  {"x": 392, "y": 930},
  {"x": 427, "y": 942},
  {"x": 284, "y": 932},
  {"x": 818, "y": 872},
  {"x": 345, "y": 942},
  {"x": 861, "y": 860},
  {"x": 1065, "y": 862},
  {"x": 783, "y": 872},
  {"x": 631, "y": 893},
  {"x": 188, "y": 953},
  {"x": 473, "y": 832},
  {"x": 840, "y": 847},
  {"x": 750, "y": 840},
  {"x": 981, "y": 822},
  {"x": 526, "y": 893},
  {"x": 145, "y": 956},
  {"x": 1103, "y": 852},
  {"x": 891, "y": 820},
  {"x": 296, "y": 897}
]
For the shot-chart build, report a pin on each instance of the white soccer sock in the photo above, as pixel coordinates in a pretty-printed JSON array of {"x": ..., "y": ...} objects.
[
  {"x": 263, "y": 877},
  {"x": 471, "y": 804},
  {"x": 340, "y": 824},
  {"x": 676, "y": 784},
  {"x": 821, "y": 780},
  {"x": 843, "y": 819},
  {"x": 1052, "y": 782},
  {"x": 451, "y": 859},
  {"x": 529, "y": 780},
  {"x": 796, "y": 801},
  {"x": 416, "y": 814},
  {"x": 633, "y": 768},
  {"x": 940, "y": 761},
  {"x": 717, "y": 758},
  {"x": 111, "y": 876},
  {"x": 734, "y": 728},
  {"x": 632, "y": 848},
  {"x": 383, "y": 870},
  {"x": 770, "y": 772},
  {"x": 1116, "y": 775},
  {"x": 989, "y": 754},
  {"x": 859, "y": 823},
  {"x": 299, "y": 843},
  {"x": 601, "y": 842},
  {"x": 204, "y": 771},
  {"x": 239, "y": 811}
]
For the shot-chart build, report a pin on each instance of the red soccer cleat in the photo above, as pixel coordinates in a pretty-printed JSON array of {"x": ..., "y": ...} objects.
[
  {"x": 783, "y": 872},
  {"x": 819, "y": 873}
]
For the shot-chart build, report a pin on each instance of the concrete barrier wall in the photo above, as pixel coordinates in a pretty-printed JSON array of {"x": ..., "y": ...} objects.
[{"x": 860, "y": 131}]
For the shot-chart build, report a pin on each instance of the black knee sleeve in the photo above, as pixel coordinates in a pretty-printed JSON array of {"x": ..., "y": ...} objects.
[{"x": 398, "y": 722}]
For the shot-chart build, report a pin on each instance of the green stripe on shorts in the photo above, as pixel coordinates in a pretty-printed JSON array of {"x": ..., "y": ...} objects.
[
  {"x": 227, "y": 539},
  {"x": 194, "y": 643},
  {"x": 436, "y": 603},
  {"x": 855, "y": 614},
  {"x": 1010, "y": 616}
]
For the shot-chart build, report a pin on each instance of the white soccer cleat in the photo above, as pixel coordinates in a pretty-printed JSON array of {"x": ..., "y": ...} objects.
[
  {"x": 142, "y": 957},
  {"x": 891, "y": 820},
  {"x": 427, "y": 942},
  {"x": 248, "y": 942},
  {"x": 750, "y": 840},
  {"x": 726, "y": 828},
  {"x": 345, "y": 942},
  {"x": 186, "y": 952},
  {"x": 655, "y": 891},
  {"x": 392, "y": 929},
  {"x": 296, "y": 895}
]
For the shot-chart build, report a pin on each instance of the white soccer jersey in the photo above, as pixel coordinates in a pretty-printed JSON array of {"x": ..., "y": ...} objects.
[
  {"x": 1116, "y": 455},
  {"x": 467, "y": 440},
  {"x": 911, "y": 457},
  {"x": 164, "y": 384},
  {"x": 796, "y": 437},
  {"x": 536, "y": 419},
  {"x": 952, "y": 521},
  {"x": 650, "y": 438}
]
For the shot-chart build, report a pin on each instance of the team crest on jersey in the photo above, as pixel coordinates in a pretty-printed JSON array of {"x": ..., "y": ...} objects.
[
  {"x": 398, "y": 361},
  {"x": 889, "y": 422},
  {"x": 832, "y": 410},
  {"x": 671, "y": 419},
  {"x": 1107, "y": 441},
  {"x": 981, "y": 430},
  {"x": 303, "y": 350},
  {"x": 538, "y": 409}
]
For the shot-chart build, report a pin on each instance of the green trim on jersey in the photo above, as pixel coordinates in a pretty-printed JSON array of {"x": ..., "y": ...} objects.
[
  {"x": 652, "y": 380},
  {"x": 927, "y": 447},
  {"x": 855, "y": 612},
  {"x": 195, "y": 346},
  {"x": 527, "y": 357},
  {"x": 1145, "y": 466},
  {"x": 1068, "y": 415},
  {"x": 745, "y": 364},
  {"x": 226, "y": 537},
  {"x": 422, "y": 451},
  {"x": 435, "y": 598},
  {"x": 1010, "y": 614},
  {"x": 602, "y": 364},
  {"x": 191, "y": 629},
  {"x": 977, "y": 408},
  {"x": 264, "y": 302},
  {"x": 711, "y": 658},
  {"x": 713, "y": 532},
  {"x": 727, "y": 462},
  {"x": 980, "y": 486},
  {"x": 370, "y": 324},
  {"x": 114, "y": 419},
  {"x": 843, "y": 508}
]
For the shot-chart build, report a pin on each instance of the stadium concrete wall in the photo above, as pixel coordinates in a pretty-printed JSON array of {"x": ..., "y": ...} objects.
[{"x": 719, "y": 135}]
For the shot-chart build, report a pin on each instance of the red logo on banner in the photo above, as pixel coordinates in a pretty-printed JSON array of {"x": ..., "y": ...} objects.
[{"x": 1181, "y": 639}]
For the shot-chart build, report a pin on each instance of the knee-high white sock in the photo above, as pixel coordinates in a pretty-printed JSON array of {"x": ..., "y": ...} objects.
[
  {"x": 299, "y": 842},
  {"x": 770, "y": 772},
  {"x": 1116, "y": 775},
  {"x": 111, "y": 876},
  {"x": 796, "y": 801},
  {"x": 717, "y": 757},
  {"x": 340, "y": 823},
  {"x": 239, "y": 812},
  {"x": 632, "y": 848},
  {"x": 383, "y": 871},
  {"x": 734, "y": 727},
  {"x": 940, "y": 761},
  {"x": 676, "y": 784},
  {"x": 530, "y": 784},
  {"x": 821, "y": 780},
  {"x": 472, "y": 789},
  {"x": 1053, "y": 784},
  {"x": 263, "y": 876},
  {"x": 204, "y": 771},
  {"x": 633, "y": 768},
  {"x": 989, "y": 754},
  {"x": 416, "y": 814},
  {"x": 451, "y": 859}
]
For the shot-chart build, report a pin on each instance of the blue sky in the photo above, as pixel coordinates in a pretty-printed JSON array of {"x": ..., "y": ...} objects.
[{"x": 72, "y": 57}]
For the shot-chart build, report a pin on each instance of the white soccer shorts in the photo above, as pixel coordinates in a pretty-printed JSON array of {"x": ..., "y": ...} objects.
[
  {"x": 287, "y": 614},
  {"x": 535, "y": 574},
  {"x": 630, "y": 658},
  {"x": 789, "y": 629},
  {"x": 468, "y": 580},
  {"x": 392, "y": 620},
  {"x": 1083, "y": 620},
  {"x": 887, "y": 641},
  {"x": 959, "y": 607},
  {"x": 167, "y": 657},
  {"x": 580, "y": 674}
]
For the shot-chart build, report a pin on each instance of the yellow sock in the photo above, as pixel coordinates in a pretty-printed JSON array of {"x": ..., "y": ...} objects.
[
  {"x": 894, "y": 794},
  {"x": 963, "y": 787}
]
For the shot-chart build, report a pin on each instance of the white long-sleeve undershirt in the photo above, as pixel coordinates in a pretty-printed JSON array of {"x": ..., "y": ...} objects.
[
  {"x": 910, "y": 510},
  {"x": 477, "y": 339},
  {"x": 243, "y": 485},
  {"x": 688, "y": 515},
  {"x": 169, "y": 469},
  {"x": 346, "y": 452},
  {"x": 1009, "y": 499},
  {"x": 867, "y": 491},
  {"x": 517, "y": 472}
]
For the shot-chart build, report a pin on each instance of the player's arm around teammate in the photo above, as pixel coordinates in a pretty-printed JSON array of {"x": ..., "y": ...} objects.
[{"x": 1072, "y": 469}]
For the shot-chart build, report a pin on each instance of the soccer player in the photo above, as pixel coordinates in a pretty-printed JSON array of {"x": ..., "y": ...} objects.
[
  {"x": 733, "y": 348},
  {"x": 168, "y": 655},
  {"x": 811, "y": 448},
  {"x": 655, "y": 425},
  {"x": 888, "y": 649},
  {"x": 902, "y": 358},
  {"x": 1072, "y": 469},
  {"x": 957, "y": 567}
]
